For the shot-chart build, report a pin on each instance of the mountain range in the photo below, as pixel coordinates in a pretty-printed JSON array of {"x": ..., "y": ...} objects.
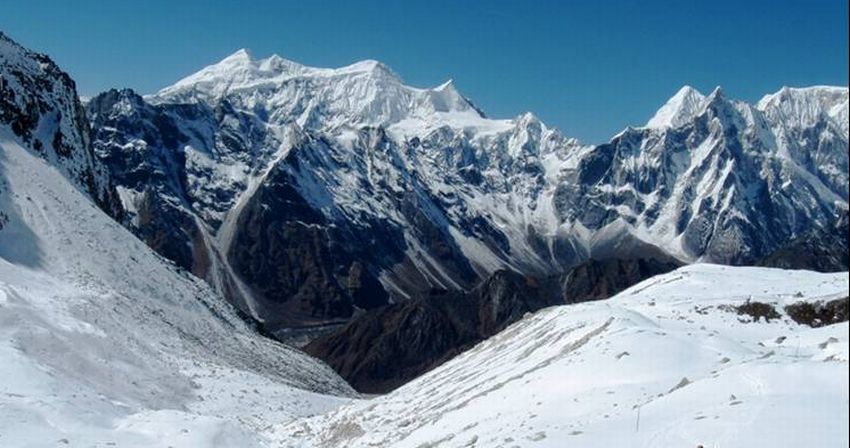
[
  {"x": 307, "y": 195},
  {"x": 148, "y": 245},
  {"x": 314, "y": 198}
]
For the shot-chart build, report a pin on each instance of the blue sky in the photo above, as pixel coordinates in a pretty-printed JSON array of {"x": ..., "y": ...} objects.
[{"x": 588, "y": 68}]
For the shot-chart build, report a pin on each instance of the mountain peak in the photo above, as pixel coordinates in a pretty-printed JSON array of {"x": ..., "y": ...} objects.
[
  {"x": 527, "y": 118},
  {"x": 679, "y": 109},
  {"x": 370, "y": 67},
  {"x": 242, "y": 55},
  {"x": 803, "y": 106},
  {"x": 717, "y": 93},
  {"x": 825, "y": 96},
  {"x": 238, "y": 69},
  {"x": 366, "y": 91},
  {"x": 448, "y": 85}
]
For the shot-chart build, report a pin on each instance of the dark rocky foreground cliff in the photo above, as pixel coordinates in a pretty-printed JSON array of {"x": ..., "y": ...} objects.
[{"x": 39, "y": 104}]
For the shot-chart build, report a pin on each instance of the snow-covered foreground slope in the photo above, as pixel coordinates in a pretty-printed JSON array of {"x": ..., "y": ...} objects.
[
  {"x": 102, "y": 342},
  {"x": 662, "y": 364}
]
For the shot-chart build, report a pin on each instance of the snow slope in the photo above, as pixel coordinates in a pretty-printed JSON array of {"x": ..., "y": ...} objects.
[
  {"x": 103, "y": 342},
  {"x": 662, "y": 364}
]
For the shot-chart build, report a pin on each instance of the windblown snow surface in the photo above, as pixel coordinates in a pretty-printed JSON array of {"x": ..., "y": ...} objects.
[
  {"x": 662, "y": 364},
  {"x": 103, "y": 343}
]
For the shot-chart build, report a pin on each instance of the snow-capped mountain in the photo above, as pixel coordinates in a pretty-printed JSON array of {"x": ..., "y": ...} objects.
[
  {"x": 305, "y": 194},
  {"x": 680, "y": 109},
  {"x": 730, "y": 185},
  {"x": 105, "y": 343},
  {"x": 668, "y": 362},
  {"x": 318, "y": 201},
  {"x": 102, "y": 341},
  {"x": 366, "y": 93}
]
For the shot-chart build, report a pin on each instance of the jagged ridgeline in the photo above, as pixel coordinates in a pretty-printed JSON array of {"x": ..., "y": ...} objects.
[{"x": 306, "y": 194}]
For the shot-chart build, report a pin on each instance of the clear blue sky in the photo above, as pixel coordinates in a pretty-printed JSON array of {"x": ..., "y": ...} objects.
[{"x": 588, "y": 68}]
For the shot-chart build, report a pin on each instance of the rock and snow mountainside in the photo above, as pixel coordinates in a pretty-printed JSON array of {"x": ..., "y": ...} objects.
[
  {"x": 824, "y": 250},
  {"x": 305, "y": 184},
  {"x": 39, "y": 103},
  {"x": 717, "y": 179},
  {"x": 102, "y": 341},
  {"x": 305, "y": 194},
  {"x": 665, "y": 363}
]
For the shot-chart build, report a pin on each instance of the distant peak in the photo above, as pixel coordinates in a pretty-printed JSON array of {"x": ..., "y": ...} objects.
[
  {"x": 687, "y": 91},
  {"x": 370, "y": 66},
  {"x": 716, "y": 93},
  {"x": 275, "y": 63},
  {"x": 448, "y": 85},
  {"x": 828, "y": 94},
  {"x": 528, "y": 117},
  {"x": 274, "y": 59},
  {"x": 241, "y": 55},
  {"x": 367, "y": 90},
  {"x": 679, "y": 109},
  {"x": 804, "y": 106}
]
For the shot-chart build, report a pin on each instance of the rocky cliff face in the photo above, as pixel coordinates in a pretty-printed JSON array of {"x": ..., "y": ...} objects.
[
  {"x": 39, "y": 106},
  {"x": 824, "y": 250}
]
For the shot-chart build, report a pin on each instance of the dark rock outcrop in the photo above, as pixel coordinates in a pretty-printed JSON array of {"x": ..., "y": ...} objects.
[
  {"x": 600, "y": 279},
  {"x": 823, "y": 249},
  {"x": 301, "y": 269},
  {"x": 382, "y": 349},
  {"x": 39, "y": 104},
  {"x": 141, "y": 144},
  {"x": 819, "y": 314}
]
